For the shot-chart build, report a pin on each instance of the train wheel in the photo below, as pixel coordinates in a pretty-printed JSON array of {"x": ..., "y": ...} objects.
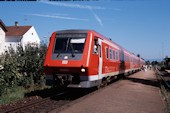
[
  {"x": 102, "y": 84},
  {"x": 99, "y": 86}
]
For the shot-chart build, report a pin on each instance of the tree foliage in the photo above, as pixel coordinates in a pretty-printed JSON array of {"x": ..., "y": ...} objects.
[{"x": 22, "y": 67}]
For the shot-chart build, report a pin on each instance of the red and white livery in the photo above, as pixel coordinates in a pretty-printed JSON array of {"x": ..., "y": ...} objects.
[{"x": 85, "y": 58}]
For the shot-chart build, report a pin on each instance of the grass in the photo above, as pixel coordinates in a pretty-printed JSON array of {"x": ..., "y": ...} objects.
[
  {"x": 13, "y": 94},
  {"x": 18, "y": 93},
  {"x": 165, "y": 94}
]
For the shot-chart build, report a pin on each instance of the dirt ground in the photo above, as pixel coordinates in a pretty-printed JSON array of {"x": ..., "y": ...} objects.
[{"x": 139, "y": 93}]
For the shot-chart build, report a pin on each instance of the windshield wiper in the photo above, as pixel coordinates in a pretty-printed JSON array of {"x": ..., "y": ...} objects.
[
  {"x": 58, "y": 54},
  {"x": 72, "y": 49},
  {"x": 60, "y": 50}
]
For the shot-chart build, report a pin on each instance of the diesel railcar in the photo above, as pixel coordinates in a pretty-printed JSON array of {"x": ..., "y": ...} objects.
[{"x": 85, "y": 58}]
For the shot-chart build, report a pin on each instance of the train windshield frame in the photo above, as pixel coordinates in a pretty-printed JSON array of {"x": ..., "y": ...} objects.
[{"x": 70, "y": 43}]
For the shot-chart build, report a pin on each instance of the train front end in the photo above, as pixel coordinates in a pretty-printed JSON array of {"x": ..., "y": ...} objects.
[{"x": 66, "y": 59}]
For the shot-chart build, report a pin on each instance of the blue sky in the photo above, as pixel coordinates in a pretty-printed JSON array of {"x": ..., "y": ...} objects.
[{"x": 140, "y": 26}]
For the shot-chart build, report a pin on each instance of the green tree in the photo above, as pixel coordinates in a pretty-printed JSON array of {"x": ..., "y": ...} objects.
[{"x": 22, "y": 67}]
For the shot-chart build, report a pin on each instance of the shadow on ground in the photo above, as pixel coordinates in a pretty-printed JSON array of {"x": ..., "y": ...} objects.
[
  {"x": 154, "y": 83},
  {"x": 45, "y": 92},
  {"x": 61, "y": 93}
]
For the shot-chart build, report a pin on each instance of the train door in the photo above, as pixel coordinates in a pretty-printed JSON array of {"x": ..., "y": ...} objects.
[
  {"x": 122, "y": 61},
  {"x": 131, "y": 63},
  {"x": 100, "y": 58}
]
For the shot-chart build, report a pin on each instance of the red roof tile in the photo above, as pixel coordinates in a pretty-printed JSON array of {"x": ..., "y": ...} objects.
[
  {"x": 3, "y": 25},
  {"x": 17, "y": 30}
]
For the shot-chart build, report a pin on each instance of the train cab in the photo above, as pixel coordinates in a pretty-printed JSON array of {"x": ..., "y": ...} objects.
[{"x": 72, "y": 59}]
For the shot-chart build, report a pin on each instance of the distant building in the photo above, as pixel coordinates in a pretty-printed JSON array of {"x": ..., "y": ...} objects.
[
  {"x": 16, "y": 35},
  {"x": 3, "y": 30},
  {"x": 23, "y": 35},
  {"x": 167, "y": 62}
]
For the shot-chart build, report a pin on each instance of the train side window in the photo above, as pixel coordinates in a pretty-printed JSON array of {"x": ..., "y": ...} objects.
[
  {"x": 99, "y": 48},
  {"x": 107, "y": 53},
  {"x": 111, "y": 54},
  {"x": 125, "y": 58},
  {"x": 95, "y": 49},
  {"x": 117, "y": 56}
]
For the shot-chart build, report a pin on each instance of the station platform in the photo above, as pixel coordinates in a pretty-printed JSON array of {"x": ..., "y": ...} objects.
[{"x": 139, "y": 93}]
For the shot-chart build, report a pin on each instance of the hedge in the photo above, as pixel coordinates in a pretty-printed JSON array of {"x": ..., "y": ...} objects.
[{"x": 22, "y": 67}]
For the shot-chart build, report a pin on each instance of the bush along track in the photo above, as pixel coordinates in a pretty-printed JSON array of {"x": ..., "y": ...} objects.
[
  {"x": 23, "y": 68},
  {"x": 164, "y": 88}
]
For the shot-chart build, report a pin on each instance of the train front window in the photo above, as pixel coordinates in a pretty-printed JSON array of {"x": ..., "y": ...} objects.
[{"x": 69, "y": 44}]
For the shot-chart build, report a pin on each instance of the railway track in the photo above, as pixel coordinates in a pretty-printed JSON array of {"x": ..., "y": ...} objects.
[
  {"x": 50, "y": 103},
  {"x": 59, "y": 101},
  {"x": 164, "y": 76},
  {"x": 36, "y": 105}
]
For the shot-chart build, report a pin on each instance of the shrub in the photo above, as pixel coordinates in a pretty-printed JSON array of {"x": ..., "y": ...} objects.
[{"x": 23, "y": 67}]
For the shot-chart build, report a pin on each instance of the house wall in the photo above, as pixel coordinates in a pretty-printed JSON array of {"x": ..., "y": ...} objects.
[
  {"x": 12, "y": 41},
  {"x": 2, "y": 40},
  {"x": 31, "y": 37}
]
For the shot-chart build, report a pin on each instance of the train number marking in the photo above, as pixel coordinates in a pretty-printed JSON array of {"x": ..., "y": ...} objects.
[{"x": 64, "y": 61}]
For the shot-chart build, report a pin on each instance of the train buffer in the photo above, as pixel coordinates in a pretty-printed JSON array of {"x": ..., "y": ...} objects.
[{"x": 138, "y": 93}]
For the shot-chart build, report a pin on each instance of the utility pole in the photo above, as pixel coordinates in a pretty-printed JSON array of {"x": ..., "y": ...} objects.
[{"x": 162, "y": 50}]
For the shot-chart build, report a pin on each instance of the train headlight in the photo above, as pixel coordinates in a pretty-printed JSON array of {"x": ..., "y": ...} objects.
[{"x": 83, "y": 70}]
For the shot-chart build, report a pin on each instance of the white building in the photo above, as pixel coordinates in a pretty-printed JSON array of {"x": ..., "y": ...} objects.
[
  {"x": 2, "y": 36},
  {"x": 14, "y": 35},
  {"x": 21, "y": 35}
]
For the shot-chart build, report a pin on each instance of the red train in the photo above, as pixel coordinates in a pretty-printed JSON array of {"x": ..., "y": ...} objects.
[{"x": 85, "y": 58}]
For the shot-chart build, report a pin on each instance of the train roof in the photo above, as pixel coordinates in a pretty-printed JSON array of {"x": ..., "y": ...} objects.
[
  {"x": 114, "y": 43},
  {"x": 72, "y": 31},
  {"x": 87, "y": 30}
]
